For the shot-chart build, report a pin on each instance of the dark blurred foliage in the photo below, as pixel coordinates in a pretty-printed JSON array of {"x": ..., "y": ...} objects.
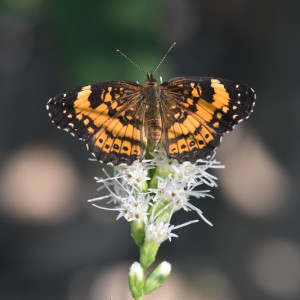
[{"x": 48, "y": 47}]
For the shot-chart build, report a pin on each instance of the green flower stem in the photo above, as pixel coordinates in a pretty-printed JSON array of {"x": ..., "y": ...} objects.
[
  {"x": 160, "y": 215},
  {"x": 150, "y": 148},
  {"x": 158, "y": 172},
  {"x": 145, "y": 187},
  {"x": 148, "y": 253},
  {"x": 138, "y": 232}
]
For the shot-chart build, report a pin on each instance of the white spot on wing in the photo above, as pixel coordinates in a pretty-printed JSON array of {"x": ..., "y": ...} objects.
[{"x": 215, "y": 81}]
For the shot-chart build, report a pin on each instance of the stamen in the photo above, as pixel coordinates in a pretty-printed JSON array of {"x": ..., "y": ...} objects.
[
  {"x": 105, "y": 208},
  {"x": 185, "y": 224},
  {"x": 99, "y": 198}
]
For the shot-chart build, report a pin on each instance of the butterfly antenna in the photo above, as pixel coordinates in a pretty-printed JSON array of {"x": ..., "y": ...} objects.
[
  {"x": 138, "y": 67},
  {"x": 172, "y": 46}
]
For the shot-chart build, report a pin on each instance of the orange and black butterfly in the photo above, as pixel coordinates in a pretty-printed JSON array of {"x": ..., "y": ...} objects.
[{"x": 188, "y": 115}]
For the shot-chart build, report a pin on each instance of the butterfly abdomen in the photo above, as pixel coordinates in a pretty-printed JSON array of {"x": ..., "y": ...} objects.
[{"x": 153, "y": 122}]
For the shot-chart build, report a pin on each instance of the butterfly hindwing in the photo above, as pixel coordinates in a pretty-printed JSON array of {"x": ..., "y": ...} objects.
[
  {"x": 203, "y": 109},
  {"x": 122, "y": 139},
  {"x": 108, "y": 116}
]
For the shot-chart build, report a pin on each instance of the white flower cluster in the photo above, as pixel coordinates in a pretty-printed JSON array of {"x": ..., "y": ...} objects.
[{"x": 129, "y": 193}]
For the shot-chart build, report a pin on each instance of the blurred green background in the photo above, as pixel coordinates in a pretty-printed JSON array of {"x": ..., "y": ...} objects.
[{"x": 53, "y": 244}]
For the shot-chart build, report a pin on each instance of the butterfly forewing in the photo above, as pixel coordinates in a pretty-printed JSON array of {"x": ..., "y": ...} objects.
[{"x": 108, "y": 116}]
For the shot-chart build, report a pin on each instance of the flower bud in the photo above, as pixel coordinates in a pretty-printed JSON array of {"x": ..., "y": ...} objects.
[
  {"x": 157, "y": 277},
  {"x": 136, "y": 280}
]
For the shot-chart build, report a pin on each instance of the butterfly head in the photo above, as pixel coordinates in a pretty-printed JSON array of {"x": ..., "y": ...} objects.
[{"x": 150, "y": 81}]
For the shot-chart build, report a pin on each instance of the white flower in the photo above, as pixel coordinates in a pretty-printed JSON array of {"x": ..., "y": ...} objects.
[
  {"x": 158, "y": 232},
  {"x": 125, "y": 192},
  {"x": 134, "y": 175},
  {"x": 134, "y": 208},
  {"x": 171, "y": 190}
]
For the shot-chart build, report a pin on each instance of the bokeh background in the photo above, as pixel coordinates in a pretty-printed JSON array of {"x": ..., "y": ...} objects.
[{"x": 53, "y": 244}]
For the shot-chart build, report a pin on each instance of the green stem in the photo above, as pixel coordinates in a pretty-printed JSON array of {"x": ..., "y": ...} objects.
[
  {"x": 150, "y": 148},
  {"x": 138, "y": 232},
  {"x": 148, "y": 253}
]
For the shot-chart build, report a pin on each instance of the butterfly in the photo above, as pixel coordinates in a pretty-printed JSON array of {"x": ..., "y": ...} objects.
[{"x": 187, "y": 115}]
